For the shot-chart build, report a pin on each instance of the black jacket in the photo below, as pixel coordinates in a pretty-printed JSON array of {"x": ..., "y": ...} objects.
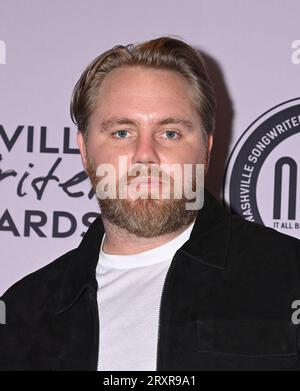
[{"x": 226, "y": 303}]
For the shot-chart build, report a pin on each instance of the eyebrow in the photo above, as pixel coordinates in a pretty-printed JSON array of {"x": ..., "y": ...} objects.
[{"x": 105, "y": 125}]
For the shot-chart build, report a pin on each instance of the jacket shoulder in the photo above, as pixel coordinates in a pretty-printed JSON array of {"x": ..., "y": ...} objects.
[
  {"x": 264, "y": 250},
  {"x": 40, "y": 282},
  {"x": 29, "y": 305},
  {"x": 254, "y": 234}
]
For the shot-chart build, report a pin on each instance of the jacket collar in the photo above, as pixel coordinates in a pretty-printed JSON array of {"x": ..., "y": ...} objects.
[
  {"x": 210, "y": 236},
  {"x": 208, "y": 244}
]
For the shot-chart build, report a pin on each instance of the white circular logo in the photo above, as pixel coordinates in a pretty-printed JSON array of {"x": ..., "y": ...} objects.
[{"x": 262, "y": 179}]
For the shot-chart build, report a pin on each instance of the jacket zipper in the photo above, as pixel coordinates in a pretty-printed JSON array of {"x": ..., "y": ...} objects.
[
  {"x": 98, "y": 333},
  {"x": 159, "y": 313},
  {"x": 97, "y": 323}
]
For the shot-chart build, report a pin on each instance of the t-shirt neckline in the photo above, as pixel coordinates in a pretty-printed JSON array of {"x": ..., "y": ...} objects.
[{"x": 155, "y": 255}]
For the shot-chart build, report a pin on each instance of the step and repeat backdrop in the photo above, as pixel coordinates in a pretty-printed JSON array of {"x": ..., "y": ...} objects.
[{"x": 252, "y": 50}]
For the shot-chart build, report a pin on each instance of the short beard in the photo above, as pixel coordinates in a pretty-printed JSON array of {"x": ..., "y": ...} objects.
[{"x": 145, "y": 218}]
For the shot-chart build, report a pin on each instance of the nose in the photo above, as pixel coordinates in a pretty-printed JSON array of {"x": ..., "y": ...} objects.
[{"x": 145, "y": 151}]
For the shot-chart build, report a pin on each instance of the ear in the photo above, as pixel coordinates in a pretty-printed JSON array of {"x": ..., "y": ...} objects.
[
  {"x": 210, "y": 141},
  {"x": 82, "y": 148}
]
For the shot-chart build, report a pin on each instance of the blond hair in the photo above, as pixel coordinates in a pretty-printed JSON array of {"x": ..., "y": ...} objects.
[{"x": 160, "y": 53}]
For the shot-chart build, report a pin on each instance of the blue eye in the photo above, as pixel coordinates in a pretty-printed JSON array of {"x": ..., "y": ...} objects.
[
  {"x": 121, "y": 133},
  {"x": 172, "y": 133}
]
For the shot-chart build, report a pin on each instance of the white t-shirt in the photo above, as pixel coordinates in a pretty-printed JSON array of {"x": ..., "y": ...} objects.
[{"x": 129, "y": 294}]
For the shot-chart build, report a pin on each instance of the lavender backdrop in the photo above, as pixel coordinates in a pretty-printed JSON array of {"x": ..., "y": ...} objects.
[{"x": 253, "y": 53}]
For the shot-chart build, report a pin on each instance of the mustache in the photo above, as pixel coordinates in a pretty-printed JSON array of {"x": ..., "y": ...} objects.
[
  {"x": 140, "y": 173},
  {"x": 145, "y": 178},
  {"x": 154, "y": 173}
]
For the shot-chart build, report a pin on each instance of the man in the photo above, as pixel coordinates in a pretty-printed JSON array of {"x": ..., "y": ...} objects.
[{"x": 154, "y": 284}]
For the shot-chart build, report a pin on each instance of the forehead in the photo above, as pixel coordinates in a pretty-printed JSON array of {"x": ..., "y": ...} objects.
[
  {"x": 127, "y": 74},
  {"x": 145, "y": 89}
]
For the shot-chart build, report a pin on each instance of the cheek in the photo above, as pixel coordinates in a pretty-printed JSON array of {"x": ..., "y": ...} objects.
[
  {"x": 194, "y": 152},
  {"x": 97, "y": 152},
  {"x": 201, "y": 150},
  {"x": 203, "y": 154},
  {"x": 117, "y": 165}
]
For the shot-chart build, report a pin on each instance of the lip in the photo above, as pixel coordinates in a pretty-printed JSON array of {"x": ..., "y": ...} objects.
[{"x": 149, "y": 181}]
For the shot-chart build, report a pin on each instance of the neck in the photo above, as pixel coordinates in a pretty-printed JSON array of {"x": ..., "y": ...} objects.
[{"x": 118, "y": 241}]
